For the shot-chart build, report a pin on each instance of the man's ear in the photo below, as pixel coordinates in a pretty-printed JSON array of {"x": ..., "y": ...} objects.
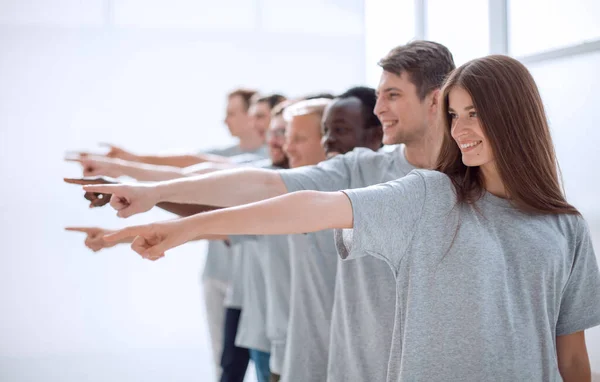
[{"x": 434, "y": 96}]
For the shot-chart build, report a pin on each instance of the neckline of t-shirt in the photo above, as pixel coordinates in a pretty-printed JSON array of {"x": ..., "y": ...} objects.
[{"x": 496, "y": 200}]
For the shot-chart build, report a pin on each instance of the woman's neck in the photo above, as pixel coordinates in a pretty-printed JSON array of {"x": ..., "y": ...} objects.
[{"x": 492, "y": 182}]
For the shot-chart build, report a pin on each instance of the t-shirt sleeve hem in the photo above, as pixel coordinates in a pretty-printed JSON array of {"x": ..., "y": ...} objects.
[
  {"x": 291, "y": 183},
  {"x": 570, "y": 328},
  {"x": 358, "y": 248}
]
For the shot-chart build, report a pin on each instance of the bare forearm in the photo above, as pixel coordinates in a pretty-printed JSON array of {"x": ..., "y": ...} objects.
[
  {"x": 573, "y": 360},
  {"x": 186, "y": 209},
  {"x": 299, "y": 212},
  {"x": 127, "y": 240},
  {"x": 576, "y": 372},
  {"x": 208, "y": 167},
  {"x": 170, "y": 160},
  {"x": 149, "y": 172},
  {"x": 223, "y": 188}
]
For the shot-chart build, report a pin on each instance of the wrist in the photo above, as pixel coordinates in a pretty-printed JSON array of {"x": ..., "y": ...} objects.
[
  {"x": 160, "y": 193},
  {"x": 191, "y": 226}
]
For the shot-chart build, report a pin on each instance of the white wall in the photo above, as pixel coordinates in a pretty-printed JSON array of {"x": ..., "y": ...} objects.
[{"x": 68, "y": 81}]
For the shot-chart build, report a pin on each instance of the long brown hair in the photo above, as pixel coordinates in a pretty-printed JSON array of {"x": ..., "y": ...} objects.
[{"x": 513, "y": 119}]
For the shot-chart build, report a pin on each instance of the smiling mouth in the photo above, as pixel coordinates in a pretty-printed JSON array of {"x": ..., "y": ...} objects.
[
  {"x": 388, "y": 124},
  {"x": 469, "y": 146}
]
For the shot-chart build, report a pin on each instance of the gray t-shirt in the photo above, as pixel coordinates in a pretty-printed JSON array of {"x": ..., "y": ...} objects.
[
  {"x": 266, "y": 296},
  {"x": 365, "y": 295},
  {"x": 219, "y": 262},
  {"x": 252, "y": 333},
  {"x": 274, "y": 261},
  {"x": 234, "y": 297},
  {"x": 483, "y": 290},
  {"x": 247, "y": 289},
  {"x": 313, "y": 269}
]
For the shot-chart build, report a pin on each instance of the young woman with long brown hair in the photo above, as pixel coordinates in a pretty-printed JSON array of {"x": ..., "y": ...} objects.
[{"x": 496, "y": 275}]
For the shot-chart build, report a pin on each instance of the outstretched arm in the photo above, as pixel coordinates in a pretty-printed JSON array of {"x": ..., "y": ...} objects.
[
  {"x": 180, "y": 161},
  {"x": 298, "y": 212},
  {"x": 95, "y": 237},
  {"x": 113, "y": 167},
  {"x": 98, "y": 199},
  {"x": 223, "y": 188}
]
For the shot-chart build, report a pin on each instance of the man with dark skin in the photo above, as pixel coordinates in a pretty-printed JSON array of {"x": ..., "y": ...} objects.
[{"x": 349, "y": 122}]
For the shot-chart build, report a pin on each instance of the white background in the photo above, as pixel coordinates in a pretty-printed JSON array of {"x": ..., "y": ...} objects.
[
  {"x": 152, "y": 76},
  {"x": 154, "y": 79}
]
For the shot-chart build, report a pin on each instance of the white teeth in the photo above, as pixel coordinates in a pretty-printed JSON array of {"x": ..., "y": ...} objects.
[
  {"x": 388, "y": 124},
  {"x": 467, "y": 145}
]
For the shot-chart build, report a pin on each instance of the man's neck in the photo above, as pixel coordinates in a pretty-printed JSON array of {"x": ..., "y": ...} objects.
[{"x": 423, "y": 153}]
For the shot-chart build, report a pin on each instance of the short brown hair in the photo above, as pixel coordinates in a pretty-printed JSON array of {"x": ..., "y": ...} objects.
[
  {"x": 272, "y": 99},
  {"x": 513, "y": 119},
  {"x": 245, "y": 93},
  {"x": 426, "y": 62}
]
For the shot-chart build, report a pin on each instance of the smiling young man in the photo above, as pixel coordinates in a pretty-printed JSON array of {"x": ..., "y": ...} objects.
[{"x": 365, "y": 295}]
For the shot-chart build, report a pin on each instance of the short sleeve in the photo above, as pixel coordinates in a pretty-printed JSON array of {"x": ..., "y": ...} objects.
[
  {"x": 334, "y": 174},
  {"x": 385, "y": 219},
  {"x": 580, "y": 302}
]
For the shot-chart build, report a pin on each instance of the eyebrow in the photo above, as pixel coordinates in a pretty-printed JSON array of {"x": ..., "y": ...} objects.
[
  {"x": 388, "y": 90},
  {"x": 466, "y": 108}
]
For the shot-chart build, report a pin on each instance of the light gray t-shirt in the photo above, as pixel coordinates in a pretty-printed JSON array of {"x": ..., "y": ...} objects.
[
  {"x": 483, "y": 290},
  {"x": 313, "y": 268},
  {"x": 219, "y": 261},
  {"x": 365, "y": 294},
  {"x": 274, "y": 261},
  {"x": 266, "y": 297},
  {"x": 252, "y": 333},
  {"x": 234, "y": 297}
]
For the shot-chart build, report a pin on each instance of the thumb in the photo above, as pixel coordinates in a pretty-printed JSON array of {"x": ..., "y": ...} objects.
[
  {"x": 128, "y": 211},
  {"x": 157, "y": 251},
  {"x": 125, "y": 233}
]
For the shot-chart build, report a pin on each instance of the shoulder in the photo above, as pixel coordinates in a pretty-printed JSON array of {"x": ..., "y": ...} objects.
[
  {"x": 574, "y": 227},
  {"x": 433, "y": 179}
]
